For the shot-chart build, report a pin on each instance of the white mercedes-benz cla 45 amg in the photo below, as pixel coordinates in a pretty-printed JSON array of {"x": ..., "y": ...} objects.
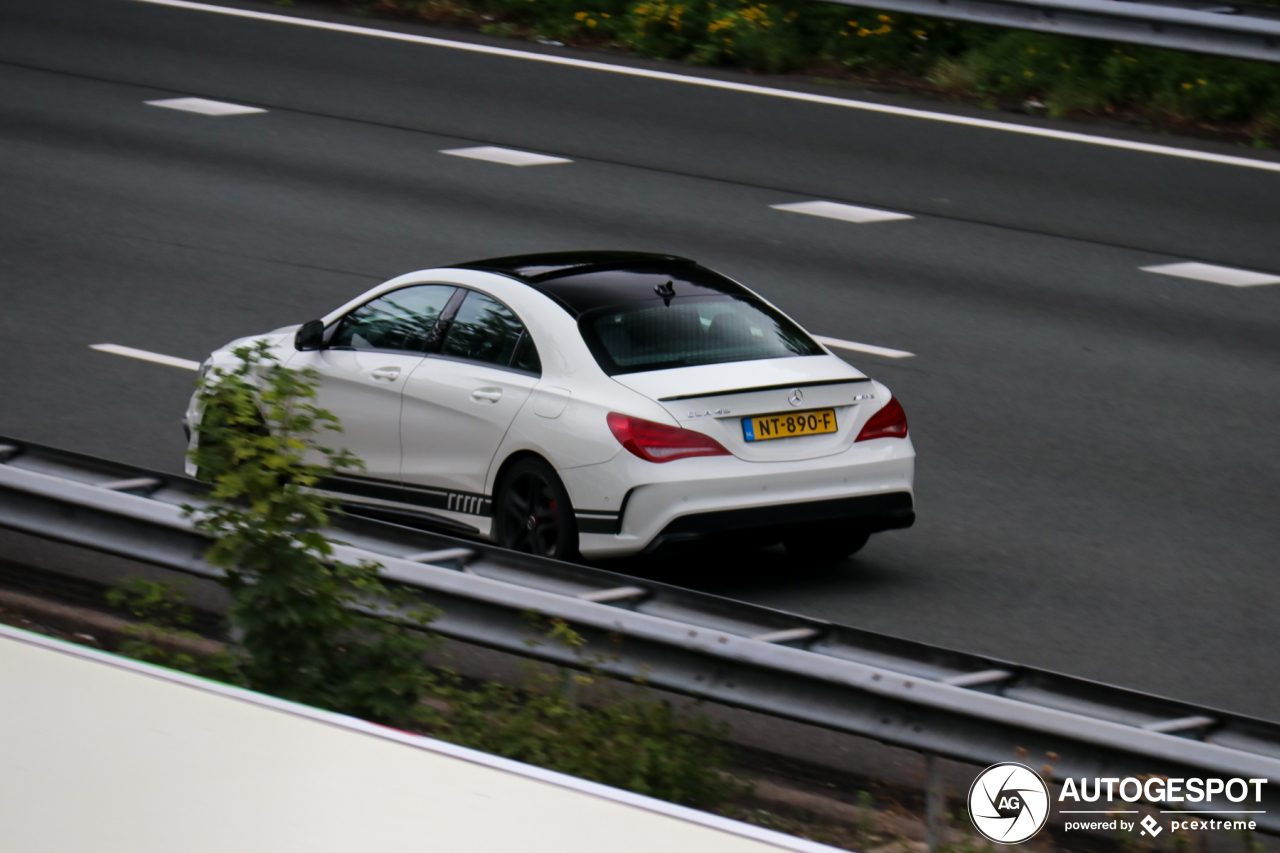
[{"x": 601, "y": 404}]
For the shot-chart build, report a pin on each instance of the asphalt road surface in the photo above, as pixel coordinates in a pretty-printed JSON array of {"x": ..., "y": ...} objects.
[{"x": 1099, "y": 458}]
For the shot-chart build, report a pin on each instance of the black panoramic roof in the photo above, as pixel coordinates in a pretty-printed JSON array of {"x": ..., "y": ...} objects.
[
  {"x": 535, "y": 268},
  {"x": 584, "y": 281}
]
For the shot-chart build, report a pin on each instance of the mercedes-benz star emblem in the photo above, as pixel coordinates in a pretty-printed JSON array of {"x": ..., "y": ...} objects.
[{"x": 796, "y": 397}]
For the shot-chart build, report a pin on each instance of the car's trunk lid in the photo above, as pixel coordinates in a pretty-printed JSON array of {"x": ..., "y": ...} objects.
[{"x": 714, "y": 399}]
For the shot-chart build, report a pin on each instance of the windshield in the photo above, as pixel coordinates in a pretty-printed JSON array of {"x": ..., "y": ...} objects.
[{"x": 687, "y": 331}]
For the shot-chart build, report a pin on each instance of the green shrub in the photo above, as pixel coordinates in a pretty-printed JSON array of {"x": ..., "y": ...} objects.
[
  {"x": 294, "y": 607},
  {"x": 314, "y": 630},
  {"x": 162, "y": 620},
  {"x": 632, "y": 742},
  {"x": 883, "y": 41},
  {"x": 759, "y": 36},
  {"x": 1072, "y": 73},
  {"x": 592, "y": 20}
]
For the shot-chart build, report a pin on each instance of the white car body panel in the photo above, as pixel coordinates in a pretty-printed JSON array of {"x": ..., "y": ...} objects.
[
  {"x": 368, "y": 389},
  {"x": 454, "y": 417},
  {"x": 438, "y": 435}
]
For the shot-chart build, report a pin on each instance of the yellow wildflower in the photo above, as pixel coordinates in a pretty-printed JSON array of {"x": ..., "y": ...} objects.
[
  {"x": 884, "y": 18},
  {"x": 580, "y": 16}
]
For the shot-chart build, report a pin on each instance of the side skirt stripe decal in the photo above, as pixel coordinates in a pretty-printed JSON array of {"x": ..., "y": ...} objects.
[{"x": 468, "y": 503}]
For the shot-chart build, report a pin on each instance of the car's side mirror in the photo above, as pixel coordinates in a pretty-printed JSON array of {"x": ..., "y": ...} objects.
[{"x": 310, "y": 336}]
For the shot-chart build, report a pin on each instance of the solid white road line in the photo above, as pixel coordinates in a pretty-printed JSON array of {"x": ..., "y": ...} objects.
[
  {"x": 867, "y": 348},
  {"x": 847, "y": 212},
  {"x": 204, "y": 106},
  {"x": 1216, "y": 274},
  {"x": 130, "y": 352},
  {"x": 987, "y": 124},
  {"x": 507, "y": 156}
]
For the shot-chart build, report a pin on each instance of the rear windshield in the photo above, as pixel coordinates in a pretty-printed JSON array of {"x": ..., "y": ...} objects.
[{"x": 690, "y": 330}]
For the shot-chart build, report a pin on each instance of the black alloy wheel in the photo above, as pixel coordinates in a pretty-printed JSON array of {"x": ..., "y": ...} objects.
[{"x": 532, "y": 513}]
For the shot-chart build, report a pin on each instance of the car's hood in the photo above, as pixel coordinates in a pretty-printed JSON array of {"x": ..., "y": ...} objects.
[{"x": 275, "y": 338}]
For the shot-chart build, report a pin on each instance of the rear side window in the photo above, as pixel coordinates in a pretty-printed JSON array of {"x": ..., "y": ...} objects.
[
  {"x": 690, "y": 331},
  {"x": 526, "y": 357},
  {"x": 399, "y": 320},
  {"x": 483, "y": 330}
]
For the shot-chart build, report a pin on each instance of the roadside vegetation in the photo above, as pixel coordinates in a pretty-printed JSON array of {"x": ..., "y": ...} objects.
[
  {"x": 310, "y": 628},
  {"x": 1036, "y": 73}
]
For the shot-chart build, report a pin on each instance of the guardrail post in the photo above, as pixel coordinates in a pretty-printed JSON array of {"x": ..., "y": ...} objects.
[{"x": 935, "y": 803}]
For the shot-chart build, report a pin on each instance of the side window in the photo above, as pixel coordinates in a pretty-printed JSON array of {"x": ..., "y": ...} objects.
[
  {"x": 483, "y": 330},
  {"x": 399, "y": 320},
  {"x": 526, "y": 357}
]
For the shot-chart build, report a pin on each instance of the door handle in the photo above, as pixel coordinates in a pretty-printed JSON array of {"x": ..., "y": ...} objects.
[
  {"x": 492, "y": 395},
  {"x": 388, "y": 373}
]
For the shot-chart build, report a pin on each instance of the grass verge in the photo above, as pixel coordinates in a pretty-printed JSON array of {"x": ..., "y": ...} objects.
[{"x": 1059, "y": 76}]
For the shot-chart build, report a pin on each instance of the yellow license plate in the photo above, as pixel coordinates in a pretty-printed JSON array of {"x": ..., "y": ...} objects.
[{"x": 789, "y": 424}]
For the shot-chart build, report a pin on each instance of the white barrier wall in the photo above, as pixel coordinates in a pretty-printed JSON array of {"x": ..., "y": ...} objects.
[{"x": 103, "y": 754}]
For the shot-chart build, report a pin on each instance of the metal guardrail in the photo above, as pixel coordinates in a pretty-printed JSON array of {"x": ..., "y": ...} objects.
[
  {"x": 1240, "y": 31},
  {"x": 933, "y": 700}
]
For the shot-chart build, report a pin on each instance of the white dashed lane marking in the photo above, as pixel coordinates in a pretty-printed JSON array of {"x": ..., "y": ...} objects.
[
  {"x": 847, "y": 212},
  {"x": 867, "y": 348},
  {"x": 506, "y": 156},
  {"x": 143, "y": 355},
  {"x": 204, "y": 106},
  {"x": 1217, "y": 275}
]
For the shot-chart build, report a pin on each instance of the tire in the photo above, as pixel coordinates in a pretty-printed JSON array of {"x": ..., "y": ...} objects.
[
  {"x": 825, "y": 542},
  {"x": 532, "y": 512}
]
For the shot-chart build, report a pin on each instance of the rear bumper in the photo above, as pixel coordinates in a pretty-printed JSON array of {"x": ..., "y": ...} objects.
[
  {"x": 699, "y": 498},
  {"x": 873, "y": 513}
]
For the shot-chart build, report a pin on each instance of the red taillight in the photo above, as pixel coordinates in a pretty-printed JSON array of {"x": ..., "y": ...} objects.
[
  {"x": 889, "y": 422},
  {"x": 654, "y": 442}
]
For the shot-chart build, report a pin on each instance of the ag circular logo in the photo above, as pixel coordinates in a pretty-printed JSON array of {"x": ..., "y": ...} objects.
[{"x": 1009, "y": 803}]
